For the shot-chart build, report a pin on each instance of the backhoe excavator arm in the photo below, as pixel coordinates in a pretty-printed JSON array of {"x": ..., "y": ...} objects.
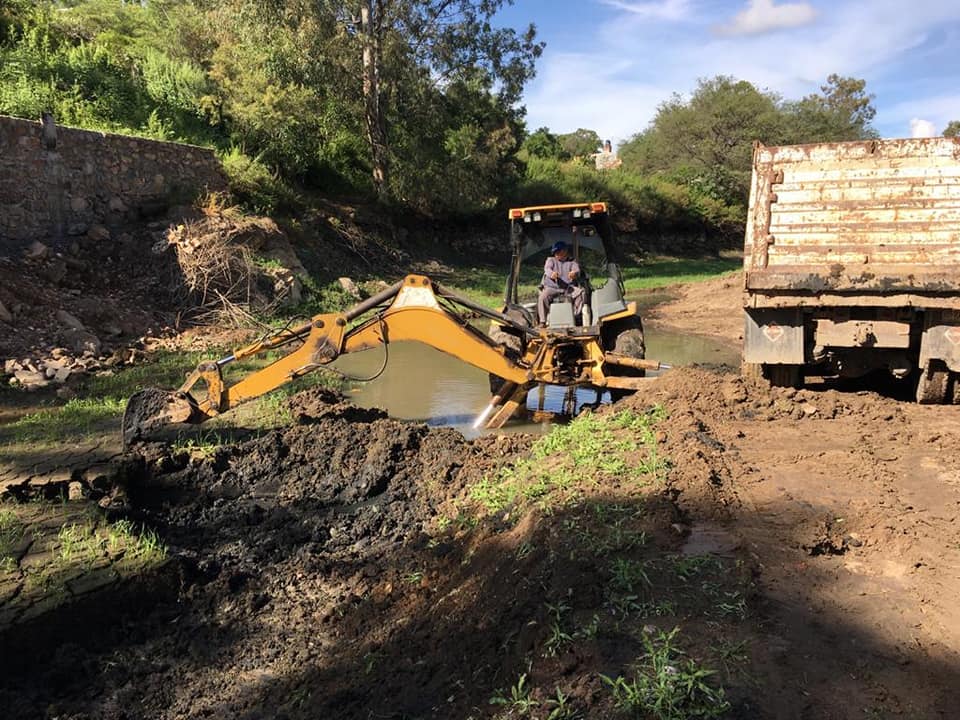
[{"x": 414, "y": 313}]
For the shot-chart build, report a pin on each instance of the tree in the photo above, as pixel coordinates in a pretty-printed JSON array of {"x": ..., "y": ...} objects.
[
  {"x": 841, "y": 111},
  {"x": 580, "y": 143},
  {"x": 952, "y": 129},
  {"x": 544, "y": 144},
  {"x": 707, "y": 140},
  {"x": 433, "y": 42}
]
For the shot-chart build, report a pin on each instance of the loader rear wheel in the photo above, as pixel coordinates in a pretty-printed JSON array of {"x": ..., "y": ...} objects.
[
  {"x": 625, "y": 338},
  {"x": 934, "y": 384}
]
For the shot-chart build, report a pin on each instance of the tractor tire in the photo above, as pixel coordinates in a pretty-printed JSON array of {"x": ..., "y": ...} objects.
[
  {"x": 626, "y": 339},
  {"x": 513, "y": 352},
  {"x": 934, "y": 385}
]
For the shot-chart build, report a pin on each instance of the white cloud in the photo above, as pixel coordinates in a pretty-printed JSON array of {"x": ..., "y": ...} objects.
[
  {"x": 762, "y": 16},
  {"x": 938, "y": 110},
  {"x": 577, "y": 90},
  {"x": 922, "y": 128},
  {"x": 664, "y": 10},
  {"x": 628, "y": 64}
]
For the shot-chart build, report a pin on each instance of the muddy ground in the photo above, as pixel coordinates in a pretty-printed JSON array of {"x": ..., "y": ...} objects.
[{"x": 802, "y": 544}]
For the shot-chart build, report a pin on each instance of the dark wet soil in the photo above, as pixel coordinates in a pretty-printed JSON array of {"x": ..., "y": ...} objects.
[{"x": 802, "y": 542}]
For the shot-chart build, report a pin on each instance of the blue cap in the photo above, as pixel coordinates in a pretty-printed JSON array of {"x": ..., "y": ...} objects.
[{"x": 557, "y": 247}]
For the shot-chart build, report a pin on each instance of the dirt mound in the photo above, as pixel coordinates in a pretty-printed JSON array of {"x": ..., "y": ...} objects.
[{"x": 334, "y": 568}]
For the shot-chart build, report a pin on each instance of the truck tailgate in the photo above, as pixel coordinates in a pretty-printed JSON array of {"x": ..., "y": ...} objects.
[{"x": 872, "y": 217}]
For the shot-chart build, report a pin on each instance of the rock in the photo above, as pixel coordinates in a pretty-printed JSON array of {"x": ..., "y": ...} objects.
[
  {"x": 111, "y": 330},
  {"x": 5, "y": 315},
  {"x": 10, "y": 366},
  {"x": 349, "y": 287},
  {"x": 809, "y": 409},
  {"x": 37, "y": 251},
  {"x": 66, "y": 393},
  {"x": 58, "y": 352},
  {"x": 70, "y": 321},
  {"x": 78, "y": 204},
  {"x": 61, "y": 375},
  {"x": 31, "y": 379},
  {"x": 75, "y": 229},
  {"x": 75, "y": 491},
  {"x": 80, "y": 341},
  {"x": 98, "y": 233},
  {"x": 55, "y": 270},
  {"x": 117, "y": 205}
]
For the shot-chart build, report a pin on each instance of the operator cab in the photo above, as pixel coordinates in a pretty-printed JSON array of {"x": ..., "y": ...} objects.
[{"x": 585, "y": 228}]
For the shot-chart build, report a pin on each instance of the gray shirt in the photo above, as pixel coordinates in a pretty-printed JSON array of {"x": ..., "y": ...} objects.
[{"x": 563, "y": 269}]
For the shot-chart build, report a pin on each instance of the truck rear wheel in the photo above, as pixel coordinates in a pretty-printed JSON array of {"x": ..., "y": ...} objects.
[
  {"x": 775, "y": 375},
  {"x": 787, "y": 376},
  {"x": 934, "y": 384}
]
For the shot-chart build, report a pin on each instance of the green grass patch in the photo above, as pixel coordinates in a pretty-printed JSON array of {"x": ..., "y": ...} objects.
[
  {"x": 12, "y": 531},
  {"x": 86, "y": 543},
  {"x": 79, "y": 417},
  {"x": 103, "y": 397},
  {"x": 663, "y": 271},
  {"x": 67, "y": 545},
  {"x": 590, "y": 450},
  {"x": 485, "y": 284},
  {"x": 666, "y": 685}
]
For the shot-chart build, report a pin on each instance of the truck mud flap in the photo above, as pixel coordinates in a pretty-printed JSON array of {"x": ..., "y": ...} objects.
[
  {"x": 773, "y": 336},
  {"x": 941, "y": 339}
]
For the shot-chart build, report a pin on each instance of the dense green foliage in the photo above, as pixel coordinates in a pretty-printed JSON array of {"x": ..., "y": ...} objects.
[
  {"x": 278, "y": 86},
  {"x": 705, "y": 142},
  {"x": 416, "y": 101}
]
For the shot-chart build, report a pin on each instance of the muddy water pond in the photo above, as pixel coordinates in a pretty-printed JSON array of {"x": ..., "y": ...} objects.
[{"x": 420, "y": 383}]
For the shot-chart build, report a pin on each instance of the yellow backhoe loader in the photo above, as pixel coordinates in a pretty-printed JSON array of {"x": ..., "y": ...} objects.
[{"x": 602, "y": 349}]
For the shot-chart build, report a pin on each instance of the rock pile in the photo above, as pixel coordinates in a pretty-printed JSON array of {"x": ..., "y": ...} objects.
[{"x": 59, "y": 367}]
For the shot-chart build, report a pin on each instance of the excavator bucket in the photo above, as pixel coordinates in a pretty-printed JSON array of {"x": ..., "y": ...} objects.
[{"x": 152, "y": 409}]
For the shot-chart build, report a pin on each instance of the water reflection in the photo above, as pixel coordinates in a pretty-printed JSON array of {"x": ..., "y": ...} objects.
[{"x": 421, "y": 383}]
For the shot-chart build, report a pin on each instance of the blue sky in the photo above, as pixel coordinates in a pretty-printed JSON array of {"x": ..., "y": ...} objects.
[{"x": 609, "y": 63}]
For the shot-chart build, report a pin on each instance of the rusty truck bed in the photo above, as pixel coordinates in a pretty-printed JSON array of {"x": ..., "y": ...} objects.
[{"x": 858, "y": 223}]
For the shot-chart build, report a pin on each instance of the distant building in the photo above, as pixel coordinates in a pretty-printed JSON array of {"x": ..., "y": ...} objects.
[{"x": 606, "y": 159}]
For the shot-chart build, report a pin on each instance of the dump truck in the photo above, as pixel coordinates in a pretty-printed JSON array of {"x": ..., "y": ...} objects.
[
  {"x": 601, "y": 349},
  {"x": 852, "y": 263}
]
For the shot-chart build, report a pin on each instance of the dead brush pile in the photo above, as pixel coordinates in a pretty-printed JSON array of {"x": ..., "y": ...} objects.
[{"x": 234, "y": 267}]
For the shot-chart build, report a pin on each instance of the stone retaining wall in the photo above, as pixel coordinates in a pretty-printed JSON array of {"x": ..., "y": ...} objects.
[{"x": 57, "y": 182}]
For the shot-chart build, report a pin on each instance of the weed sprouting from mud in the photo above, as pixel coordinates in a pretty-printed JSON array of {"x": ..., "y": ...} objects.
[
  {"x": 591, "y": 450},
  {"x": 518, "y": 701},
  {"x": 667, "y": 686},
  {"x": 12, "y": 531},
  {"x": 559, "y": 638},
  {"x": 202, "y": 445}
]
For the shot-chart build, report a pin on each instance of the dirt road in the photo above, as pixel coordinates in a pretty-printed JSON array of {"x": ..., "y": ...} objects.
[{"x": 802, "y": 545}]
